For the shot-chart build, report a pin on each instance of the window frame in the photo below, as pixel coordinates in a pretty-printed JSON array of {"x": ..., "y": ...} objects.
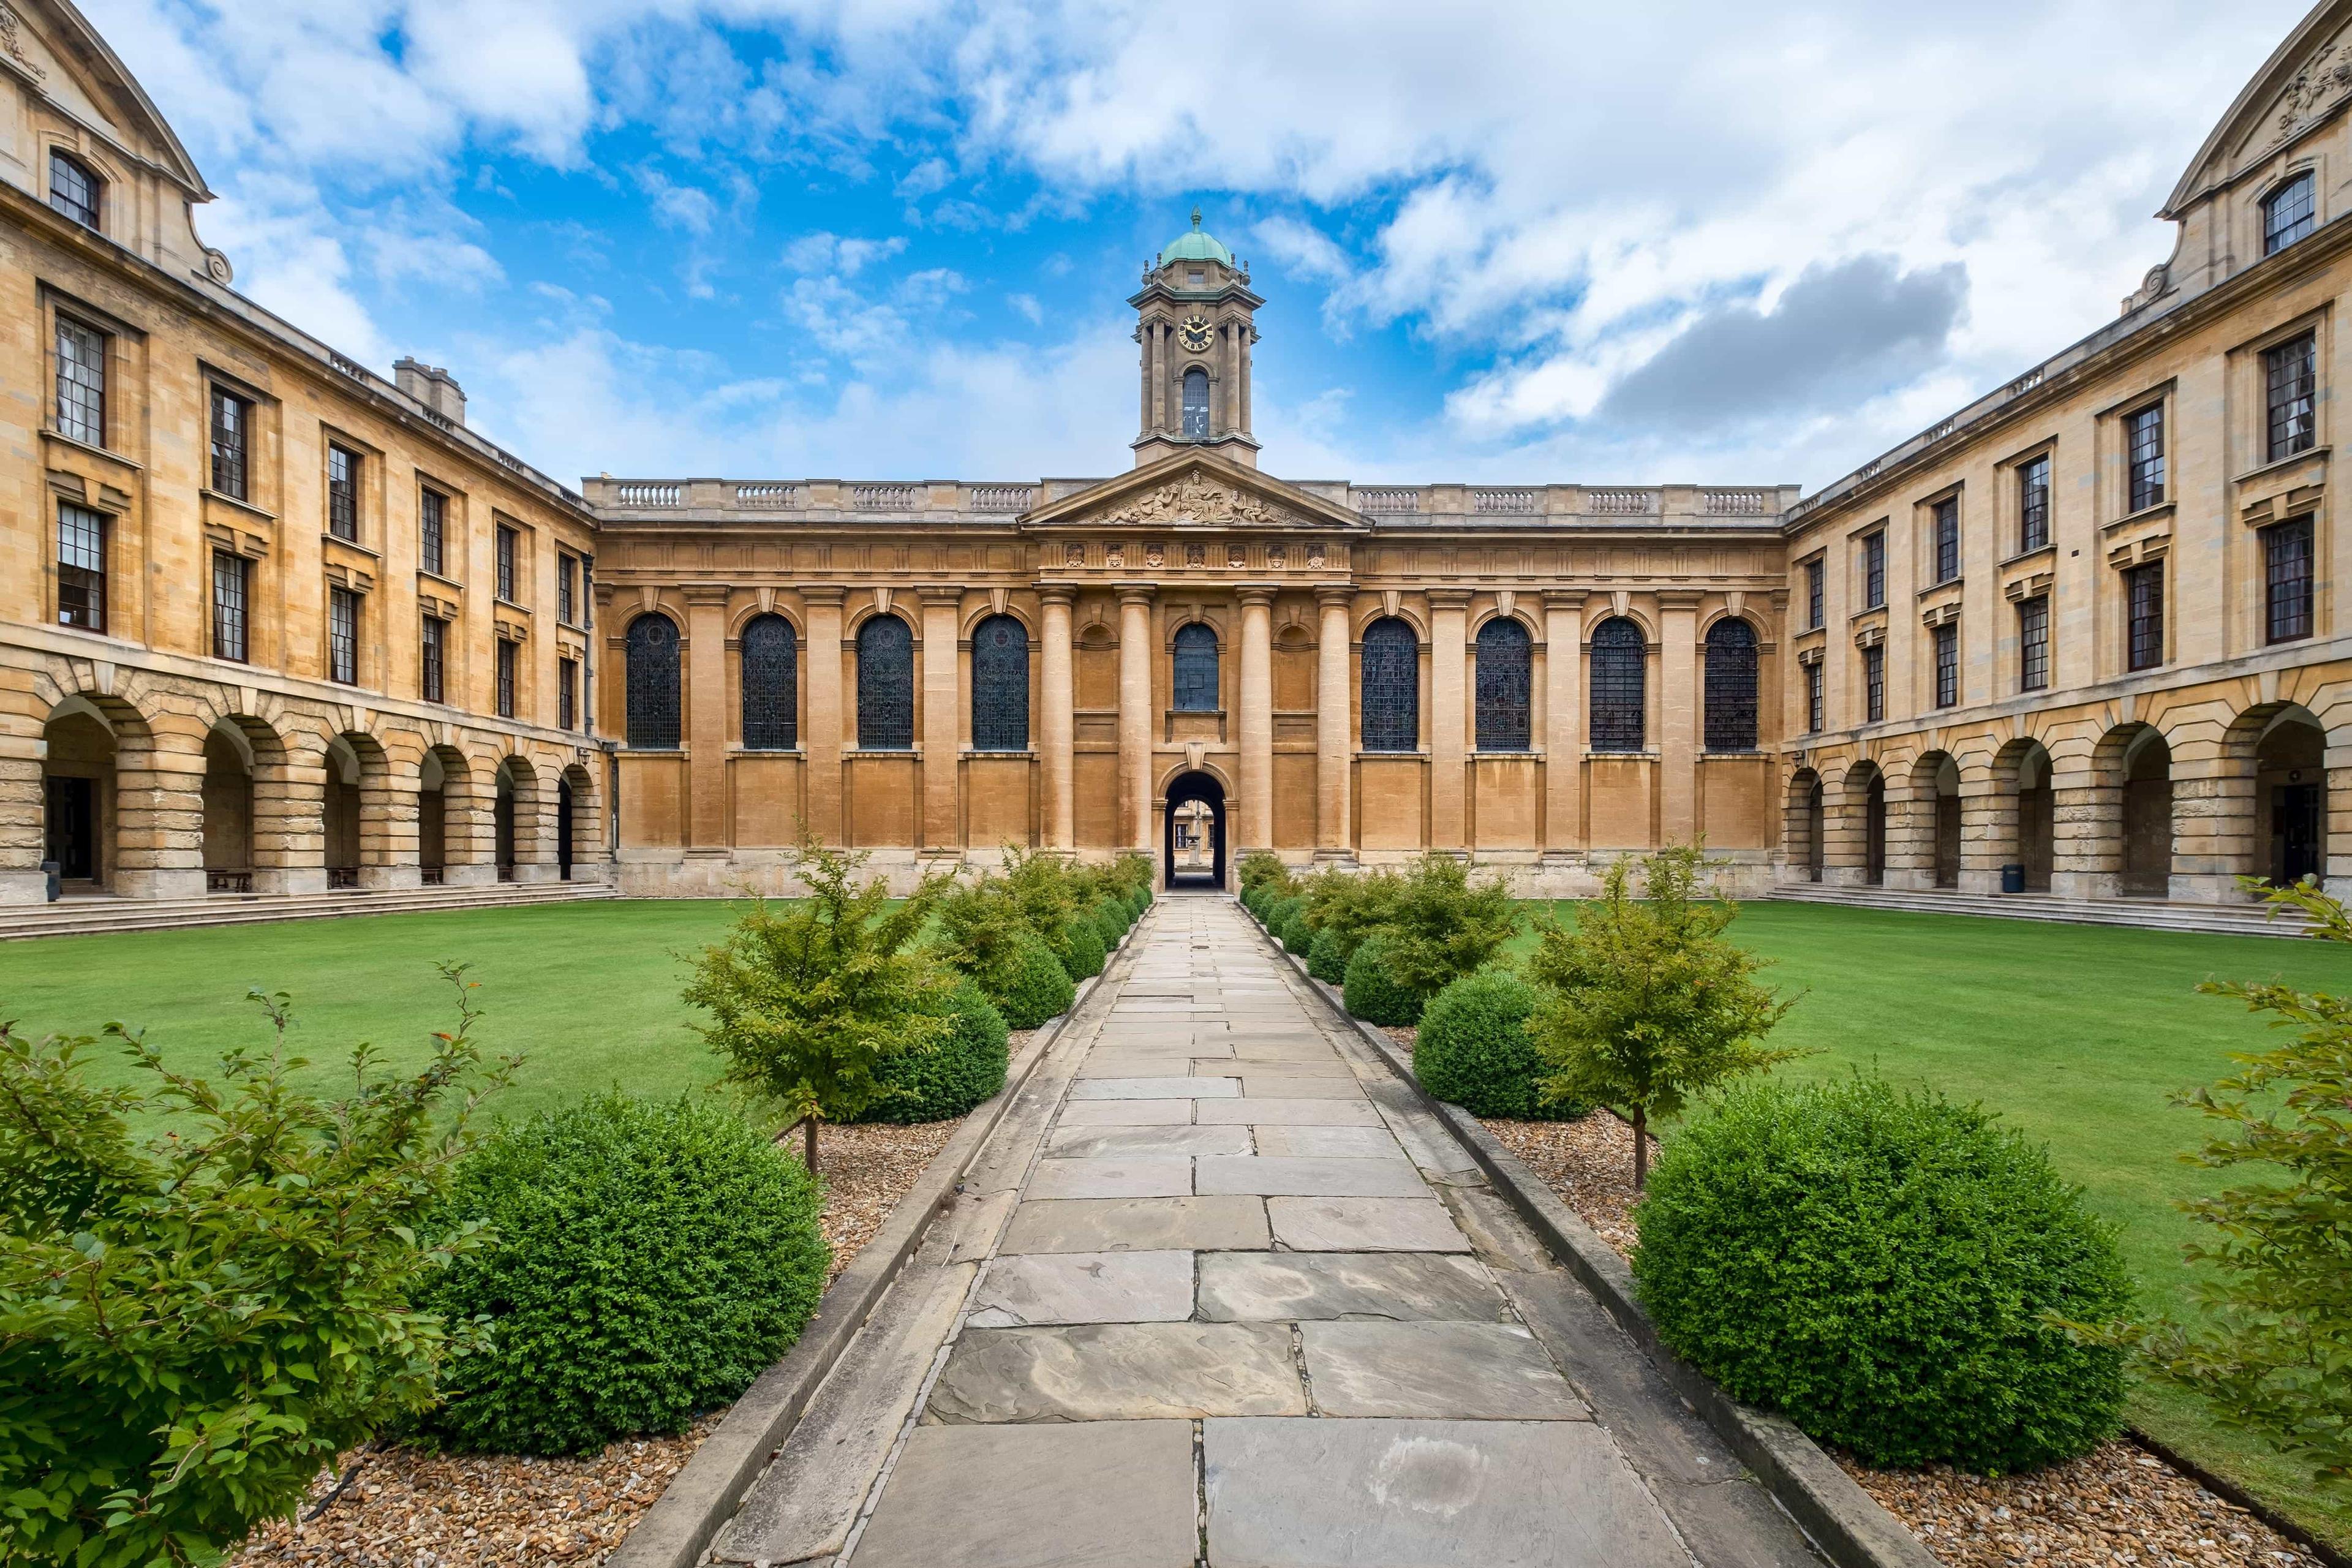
[
  {"x": 2291, "y": 616},
  {"x": 1193, "y": 649},
  {"x": 228, "y": 470},
  {"x": 652, "y": 700},
  {"x": 767, "y": 688},
  {"x": 89, "y": 425},
  {"x": 1874, "y": 569},
  {"x": 1945, "y": 653},
  {"x": 506, "y": 550},
  {"x": 999, "y": 688},
  {"x": 343, "y": 494},
  {"x": 567, "y": 587},
  {"x": 2033, "y": 503},
  {"x": 2146, "y": 476},
  {"x": 2144, "y": 612},
  {"x": 1191, "y": 429},
  {"x": 1624, "y": 663},
  {"x": 1503, "y": 697},
  {"x": 1816, "y": 593},
  {"x": 2033, "y": 642},
  {"x": 507, "y": 660},
  {"x": 1389, "y": 714},
  {"x": 432, "y": 659},
  {"x": 232, "y": 636},
  {"x": 1731, "y": 705},
  {"x": 74, "y": 206},
  {"x": 1874, "y": 684},
  {"x": 1816, "y": 697},
  {"x": 2276, "y": 236},
  {"x": 433, "y": 529},
  {"x": 878, "y": 726},
  {"x": 89, "y": 584},
  {"x": 567, "y": 694},
  {"x": 343, "y": 643},
  {"x": 1944, "y": 540},
  {"x": 2291, "y": 421}
]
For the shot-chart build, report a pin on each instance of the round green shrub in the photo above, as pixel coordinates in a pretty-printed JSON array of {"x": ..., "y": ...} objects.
[
  {"x": 1878, "y": 1265},
  {"x": 1297, "y": 936},
  {"x": 1081, "y": 949},
  {"x": 1139, "y": 900},
  {"x": 1327, "y": 955},
  {"x": 1110, "y": 922},
  {"x": 1474, "y": 1050},
  {"x": 1277, "y": 915},
  {"x": 1369, "y": 988},
  {"x": 963, "y": 1068},
  {"x": 1032, "y": 987},
  {"x": 651, "y": 1258}
]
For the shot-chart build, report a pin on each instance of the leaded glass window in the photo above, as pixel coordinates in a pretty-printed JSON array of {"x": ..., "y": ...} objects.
[
  {"x": 1731, "y": 686},
  {"x": 999, "y": 685},
  {"x": 1620, "y": 676},
  {"x": 769, "y": 658},
  {"x": 2286, "y": 571},
  {"x": 1196, "y": 405},
  {"x": 2291, "y": 383},
  {"x": 886, "y": 685},
  {"x": 2287, "y": 213},
  {"x": 1505, "y": 672},
  {"x": 81, "y": 382},
  {"x": 1195, "y": 672},
  {"x": 1392, "y": 687},
  {"x": 651, "y": 648}
]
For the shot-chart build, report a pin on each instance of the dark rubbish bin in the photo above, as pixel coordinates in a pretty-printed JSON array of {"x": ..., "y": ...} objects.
[{"x": 2012, "y": 879}]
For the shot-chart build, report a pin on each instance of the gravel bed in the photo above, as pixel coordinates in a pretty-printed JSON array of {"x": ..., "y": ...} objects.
[
  {"x": 413, "y": 1507},
  {"x": 2116, "y": 1507}
]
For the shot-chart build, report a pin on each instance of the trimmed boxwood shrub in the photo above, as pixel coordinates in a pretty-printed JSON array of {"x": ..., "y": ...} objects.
[
  {"x": 1034, "y": 986},
  {"x": 651, "y": 1258},
  {"x": 963, "y": 1068},
  {"x": 1110, "y": 922},
  {"x": 1297, "y": 936},
  {"x": 1081, "y": 949},
  {"x": 1370, "y": 990},
  {"x": 1327, "y": 955},
  {"x": 1878, "y": 1264},
  {"x": 1137, "y": 901},
  {"x": 1474, "y": 1049},
  {"x": 1275, "y": 915}
]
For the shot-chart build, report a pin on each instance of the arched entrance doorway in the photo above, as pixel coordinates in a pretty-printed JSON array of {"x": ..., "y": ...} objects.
[
  {"x": 1194, "y": 833},
  {"x": 78, "y": 766},
  {"x": 2291, "y": 799}
]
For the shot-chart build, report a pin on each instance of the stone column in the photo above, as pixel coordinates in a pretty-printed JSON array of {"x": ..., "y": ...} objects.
[
  {"x": 1911, "y": 834},
  {"x": 2336, "y": 822},
  {"x": 706, "y": 722},
  {"x": 289, "y": 822},
  {"x": 1135, "y": 714},
  {"x": 1257, "y": 726},
  {"x": 1059, "y": 725},
  {"x": 24, "y": 818},
  {"x": 821, "y": 794},
  {"x": 2086, "y": 859},
  {"x": 1563, "y": 722},
  {"x": 534, "y": 827},
  {"x": 388, "y": 846},
  {"x": 1449, "y": 717},
  {"x": 1988, "y": 827},
  {"x": 469, "y": 804},
  {"x": 159, "y": 816},
  {"x": 942, "y": 717},
  {"x": 1845, "y": 833},
  {"x": 2212, "y": 822},
  {"x": 1676, "y": 716},
  {"x": 1334, "y": 737}
]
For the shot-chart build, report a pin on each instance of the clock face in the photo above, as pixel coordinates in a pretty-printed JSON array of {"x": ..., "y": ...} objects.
[{"x": 1195, "y": 334}]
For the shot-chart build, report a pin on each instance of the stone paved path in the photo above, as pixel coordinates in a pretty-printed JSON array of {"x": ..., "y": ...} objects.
[{"x": 1220, "y": 1289}]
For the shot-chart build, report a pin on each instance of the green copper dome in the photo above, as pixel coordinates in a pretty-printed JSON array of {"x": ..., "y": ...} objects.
[{"x": 1196, "y": 245}]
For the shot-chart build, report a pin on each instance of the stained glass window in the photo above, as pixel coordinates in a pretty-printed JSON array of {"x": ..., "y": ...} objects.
[
  {"x": 769, "y": 658},
  {"x": 1504, "y": 672},
  {"x": 1620, "y": 658},
  {"x": 1196, "y": 669},
  {"x": 652, "y": 650},
  {"x": 1731, "y": 687},
  {"x": 886, "y": 685},
  {"x": 1392, "y": 687},
  {"x": 999, "y": 685}
]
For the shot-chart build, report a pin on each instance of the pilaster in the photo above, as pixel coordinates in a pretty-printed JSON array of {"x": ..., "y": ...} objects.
[
  {"x": 705, "y": 719},
  {"x": 942, "y": 715},
  {"x": 1135, "y": 714},
  {"x": 1059, "y": 721},
  {"x": 1563, "y": 729},
  {"x": 1449, "y": 705},
  {"x": 822, "y": 741},
  {"x": 1256, "y": 703},
  {"x": 1333, "y": 735},
  {"x": 1677, "y": 715}
]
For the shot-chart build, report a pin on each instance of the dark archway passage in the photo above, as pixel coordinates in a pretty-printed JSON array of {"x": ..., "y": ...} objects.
[{"x": 1194, "y": 849}]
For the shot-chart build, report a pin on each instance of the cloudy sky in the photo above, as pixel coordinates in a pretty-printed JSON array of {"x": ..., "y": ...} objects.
[{"x": 1510, "y": 239}]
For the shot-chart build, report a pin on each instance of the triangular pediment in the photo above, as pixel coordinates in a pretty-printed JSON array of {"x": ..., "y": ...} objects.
[
  {"x": 2306, "y": 79},
  {"x": 1194, "y": 490},
  {"x": 57, "y": 50}
]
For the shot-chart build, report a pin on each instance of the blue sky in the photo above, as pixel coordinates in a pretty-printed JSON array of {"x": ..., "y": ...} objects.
[{"x": 1541, "y": 241}]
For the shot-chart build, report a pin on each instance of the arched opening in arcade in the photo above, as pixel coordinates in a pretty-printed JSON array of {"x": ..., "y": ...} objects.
[
  {"x": 2291, "y": 798},
  {"x": 1194, "y": 834},
  {"x": 228, "y": 810},
  {"x": 575, "y": 826},
  {"x": 2138, "y": 759},
  {"x": 2037, "y": 818},
  {"x": 77, "y": 767}
]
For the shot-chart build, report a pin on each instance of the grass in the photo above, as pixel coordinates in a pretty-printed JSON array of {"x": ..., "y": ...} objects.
[{"x": 2077, "y": 1035}]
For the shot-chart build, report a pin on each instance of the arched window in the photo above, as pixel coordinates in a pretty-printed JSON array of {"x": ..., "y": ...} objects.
[
  {"x": 1731, "y": 686},
  {"x": 770, "y": 675},
  {"x": 1196, "y": 404},
  {"x": 886, "y": 685},
  {"x": 1505, "y": 670},
  {"x": 1196, "y": 668},
  {"x": 1392, "y": 687},
  {"x": 652, "y": 654},
  {"x": 2288, "y": 213},
  {"x": 999, "y": 685},
  {"x": 1619, "y": 655}
]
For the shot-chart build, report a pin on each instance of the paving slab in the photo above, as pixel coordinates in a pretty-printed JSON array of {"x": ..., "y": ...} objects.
[
  {"x": 1358, "y": 1224},
  {"x": 1118, "y": 1371},
  {"x": 1414, "y": 1494},
  {"x": 1327, "y": 1142},
  {"x": 1108, "y": 1495},
  {"x": 1084, "y": 1287},
  {"x": 1308, "y": 1177},
  {"x": 1256, "y": 1086},
  {"x": 1137, "y": 1224},
  {"x": 1164, "y": 1177},
  {"x": 1127, "y": 1113},
  {"x": 1186, "y": 1088},
  {"x": 1092, "y": 1142},
  {"x": 1274, "y": 1287},
  {"x": 1470, "y": 1371},
  {"x": 1290, "y": 1112}
]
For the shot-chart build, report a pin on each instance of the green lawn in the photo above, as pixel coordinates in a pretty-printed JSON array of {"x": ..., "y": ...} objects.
[{"x": 2077, "y": 1035}]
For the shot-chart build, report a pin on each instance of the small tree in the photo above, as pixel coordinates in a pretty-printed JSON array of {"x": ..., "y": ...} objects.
[
  {"x": 2275, "y": 1353},
  {"x": 194, "y": 1322},
  {"x": 1645, "y": 1003},
  {"x": 1440, "y": 927},
  {"x": 807, "y": 999}
]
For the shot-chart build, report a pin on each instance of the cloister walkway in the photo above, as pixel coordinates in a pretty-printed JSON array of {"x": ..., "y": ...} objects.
[{"x": 1220, "y": 1289}]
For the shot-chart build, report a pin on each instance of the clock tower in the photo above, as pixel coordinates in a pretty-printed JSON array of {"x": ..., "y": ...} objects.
[{"x": 1195, "y": 323}]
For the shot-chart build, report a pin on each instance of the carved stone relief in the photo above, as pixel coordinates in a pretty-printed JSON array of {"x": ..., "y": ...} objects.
[{"x": 1198, "y": 499}]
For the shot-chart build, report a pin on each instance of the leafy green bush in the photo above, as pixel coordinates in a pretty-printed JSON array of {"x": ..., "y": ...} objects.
[
  {"x": 1370, "y": 987},
  {"x": 1137, "y": 901},
  {"x": 1353, "y": 904},
  {"x": 1081, "y": 949},
  {"x": 1474, "y": 1049},
  {"x": 1263, "y": 868},
  {"x": 1034, "y": 986},
  {"x": 1297, "y": 936},
  {"x": 1883, "y": 1267},
  {"x": 1441, "y": 927},
  {"x": 194, "y": 1323},
  {"x": 1327, "y": 955},
  {"x": 1044, "y": 886},
  {"x": 651, "y": 1259},
  {"x": 955, "y": 1072},
  {"x": 1109, "y": 912},
  {"x": 1277, "y": 915},
  {"x": 1133, "y": 872}
]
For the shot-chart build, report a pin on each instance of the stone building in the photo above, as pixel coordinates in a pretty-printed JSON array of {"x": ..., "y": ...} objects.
[{"x": 271, "y": 621}]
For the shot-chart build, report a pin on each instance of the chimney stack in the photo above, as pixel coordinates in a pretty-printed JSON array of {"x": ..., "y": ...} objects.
[{"x": 432, "y": 386}]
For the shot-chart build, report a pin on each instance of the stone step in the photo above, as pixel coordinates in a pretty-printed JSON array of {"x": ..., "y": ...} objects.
[
  {"x": 85, "y": 917},
  {"x": 2151, "y": 914}
]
